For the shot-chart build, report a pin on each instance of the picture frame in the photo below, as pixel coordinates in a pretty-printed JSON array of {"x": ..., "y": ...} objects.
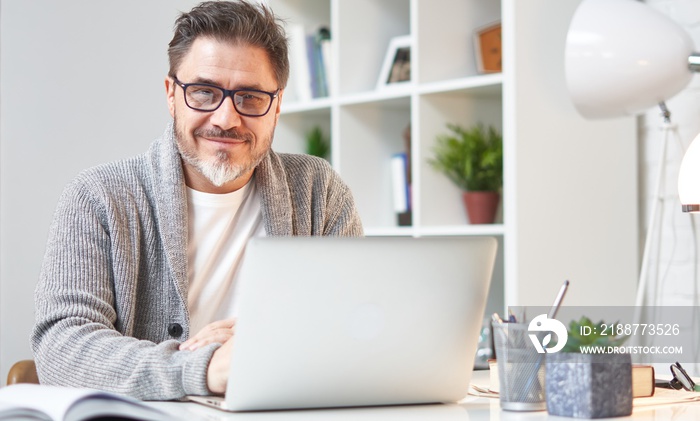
[
  {"x": 488, "y": 48},
  {"x": 396, "y": 68}
]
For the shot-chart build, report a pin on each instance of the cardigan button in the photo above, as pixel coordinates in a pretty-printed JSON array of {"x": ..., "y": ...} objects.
[{"x": 175, "y": 330}]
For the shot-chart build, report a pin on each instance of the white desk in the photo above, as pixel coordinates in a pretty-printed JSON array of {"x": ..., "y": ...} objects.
[{"x": 469, "y": 409}]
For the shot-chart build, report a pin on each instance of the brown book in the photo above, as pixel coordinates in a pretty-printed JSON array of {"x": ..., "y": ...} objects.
[{"x": 642, "y": 380}]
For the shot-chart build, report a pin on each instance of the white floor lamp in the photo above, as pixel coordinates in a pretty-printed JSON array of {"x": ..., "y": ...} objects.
[{"x": 623, "y": 57}]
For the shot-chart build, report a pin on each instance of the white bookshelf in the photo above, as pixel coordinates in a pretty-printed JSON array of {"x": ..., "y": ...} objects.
[{"x": 570, "y": 185}]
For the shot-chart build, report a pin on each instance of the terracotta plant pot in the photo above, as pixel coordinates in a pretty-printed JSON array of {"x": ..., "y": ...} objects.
[{"x": 481, "y": 206}]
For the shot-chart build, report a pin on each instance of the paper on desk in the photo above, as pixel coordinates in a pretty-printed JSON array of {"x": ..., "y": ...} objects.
[
  {"x": 667, "y": 396},
  {"x": 661, "y": 396},
  {"x": 482, "y": 391}
]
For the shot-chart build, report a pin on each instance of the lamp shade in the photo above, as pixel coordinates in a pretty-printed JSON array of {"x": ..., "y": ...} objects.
[
  {"x": 689, "y": 178},
  {"x": 623, "y": 57}
]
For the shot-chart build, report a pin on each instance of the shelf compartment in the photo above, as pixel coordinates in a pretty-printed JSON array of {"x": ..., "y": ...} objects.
[
  {"x": 290, "y": 134},
  {"x": 445, "y": 40},
  {"x": 372, "y": 134},
  {"x": 365, "y": 29},
  {"x": 301, "y": 17},
  {"x": 439, "y": 200}
]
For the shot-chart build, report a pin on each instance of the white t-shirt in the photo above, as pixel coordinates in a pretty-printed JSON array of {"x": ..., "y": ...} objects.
[{"x": 219, "y": 227}]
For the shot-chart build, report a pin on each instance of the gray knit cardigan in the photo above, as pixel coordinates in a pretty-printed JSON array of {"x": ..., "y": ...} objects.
[{"x": 114, "y": 278}]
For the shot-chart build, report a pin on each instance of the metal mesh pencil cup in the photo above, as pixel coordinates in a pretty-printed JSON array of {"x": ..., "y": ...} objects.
[{"x": 520, "y": 369}]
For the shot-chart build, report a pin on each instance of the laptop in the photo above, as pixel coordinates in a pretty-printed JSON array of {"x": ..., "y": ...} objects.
[{"x": 343, "y": 322}]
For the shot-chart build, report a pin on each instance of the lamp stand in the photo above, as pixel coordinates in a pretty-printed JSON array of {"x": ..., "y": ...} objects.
[
  {"x": 667, "y": 127},
  {"x": 655, "y": 227}
]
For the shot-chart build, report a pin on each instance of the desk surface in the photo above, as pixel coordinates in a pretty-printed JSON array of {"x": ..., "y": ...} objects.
[{"x": 470, "y": 409}]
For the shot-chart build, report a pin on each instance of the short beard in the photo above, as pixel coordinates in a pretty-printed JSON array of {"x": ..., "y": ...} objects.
[{"x": 220, "y": 170}]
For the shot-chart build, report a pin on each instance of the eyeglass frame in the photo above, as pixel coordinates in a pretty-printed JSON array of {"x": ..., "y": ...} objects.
[
  {"x": 228, "y": 93},
  {"x": 680, "y": 380}
]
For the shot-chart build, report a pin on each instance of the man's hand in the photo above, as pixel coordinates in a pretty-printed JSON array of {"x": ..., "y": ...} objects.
[
  {"x": 219, "y": 332},
  {"x": 217, "y": 372}
]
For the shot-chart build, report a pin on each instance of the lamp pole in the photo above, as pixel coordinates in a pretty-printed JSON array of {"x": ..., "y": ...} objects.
[
  {"x": 654, "y": 226},
  {"x": 658, "y": 199}
]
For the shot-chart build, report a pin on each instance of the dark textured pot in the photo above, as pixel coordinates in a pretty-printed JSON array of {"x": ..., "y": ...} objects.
[
  {"x": 481, "y": 206},
  {"x": 588, "y": 385}
]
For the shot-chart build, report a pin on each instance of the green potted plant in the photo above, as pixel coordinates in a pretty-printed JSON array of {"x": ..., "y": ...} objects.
[
  {"x": 317, "y": 144},
  {"x": 472, "y": 158},
  {"x": 589, "y": 385}
]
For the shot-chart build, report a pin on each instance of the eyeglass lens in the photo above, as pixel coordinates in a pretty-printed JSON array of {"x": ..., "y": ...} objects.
[
  {"x": 209, "y": 98},
  {"x": 681, "y": 378}
]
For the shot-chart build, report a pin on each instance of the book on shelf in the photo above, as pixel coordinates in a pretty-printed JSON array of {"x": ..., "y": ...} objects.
[
  {"x": 310, "y": 62},
  {"x": 326, "y": 58},
  {"x": 299, "y": 63},
  {"x": 643, "y": 383},
  {"x": 401, "y": 188},
  {"x": 54, "y": 403}
]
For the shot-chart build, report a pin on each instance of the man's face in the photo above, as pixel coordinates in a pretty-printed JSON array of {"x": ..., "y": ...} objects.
[{"x": 221, "y": 148}]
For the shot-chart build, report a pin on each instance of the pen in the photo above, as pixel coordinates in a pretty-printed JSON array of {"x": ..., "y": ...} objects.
[
  {"x": 552, "y": 313},
  {"x": 557, "y": 301},
  {"x": 511, "y": 316}
]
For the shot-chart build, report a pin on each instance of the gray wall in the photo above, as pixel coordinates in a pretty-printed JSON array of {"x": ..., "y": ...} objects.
[{"x": 81, "y": 83}]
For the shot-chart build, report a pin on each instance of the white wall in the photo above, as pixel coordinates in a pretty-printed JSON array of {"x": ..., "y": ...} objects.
[{"x": 81, "y": 83}]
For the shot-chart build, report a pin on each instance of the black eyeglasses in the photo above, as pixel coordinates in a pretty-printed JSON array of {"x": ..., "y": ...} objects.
[
  {"x": 680, "y": 380},
  {"x": 247, "y": 102}
]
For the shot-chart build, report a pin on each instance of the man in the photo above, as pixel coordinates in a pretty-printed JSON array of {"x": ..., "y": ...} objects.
[{"x": 144, "y": 253}]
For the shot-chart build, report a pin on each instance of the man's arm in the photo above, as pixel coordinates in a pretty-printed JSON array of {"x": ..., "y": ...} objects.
[
  {"x": 342, "y": 216},
  {"x": 103, "y": 302}
]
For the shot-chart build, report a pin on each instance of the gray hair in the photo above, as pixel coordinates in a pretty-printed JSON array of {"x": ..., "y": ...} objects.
[{"x": 237, "y": 21}]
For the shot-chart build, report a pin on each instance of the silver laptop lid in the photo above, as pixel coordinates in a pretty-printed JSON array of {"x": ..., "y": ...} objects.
[{"x": 329, "y": 322}]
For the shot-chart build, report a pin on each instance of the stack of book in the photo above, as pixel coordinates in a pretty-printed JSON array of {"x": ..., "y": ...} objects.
[{"x": 311, "y": 61}]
